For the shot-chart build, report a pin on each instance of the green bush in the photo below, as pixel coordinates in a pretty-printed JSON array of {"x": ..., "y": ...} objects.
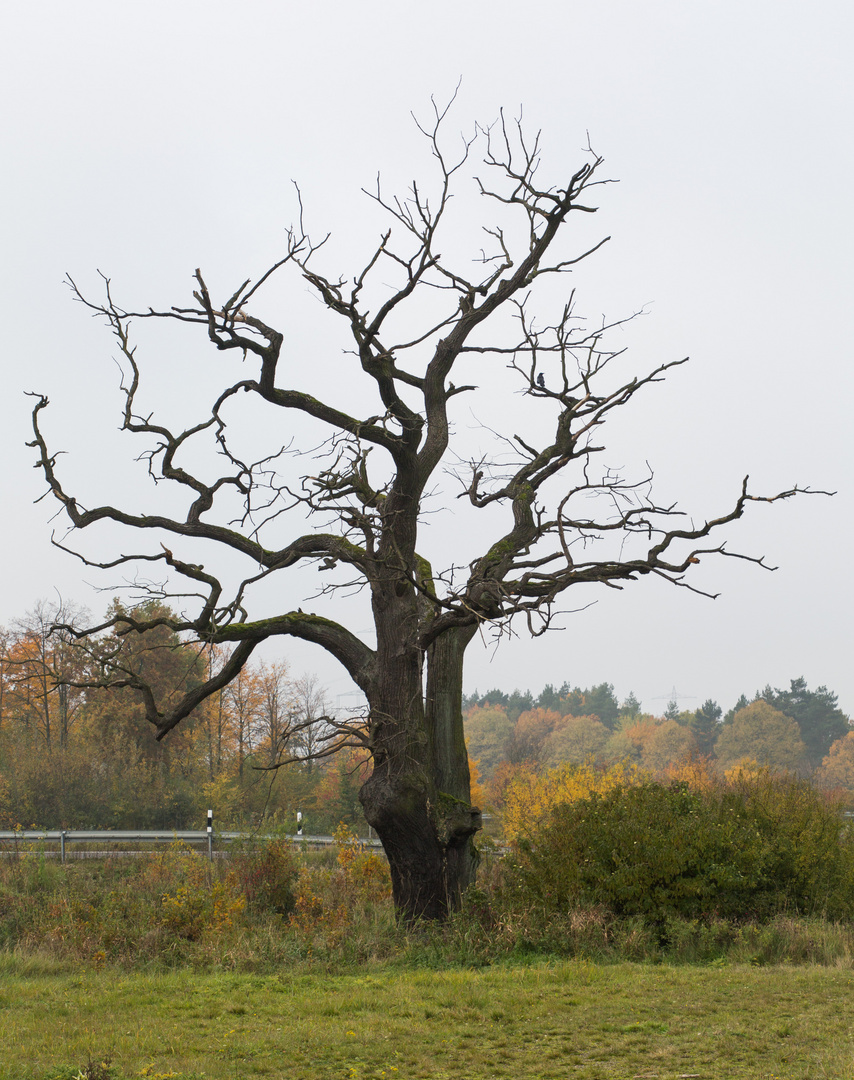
[
  {"x": 743, "y": 851},
  {"x": 808, "y": 847}
]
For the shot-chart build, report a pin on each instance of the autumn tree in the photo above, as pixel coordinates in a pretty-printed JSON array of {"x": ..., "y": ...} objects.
[
  {"x": 337, "y": 794},
  {"x": 631, "y": 740},
  {"x": 38, "y": 671},
  {"x": 670, "y": 743},
  {"x": 274, "y": 712},
  {"x": 576, "y": 740},
  {"x": 5, "y": 673},
  {"x": 215, "y": 717},
  {"x": 529, "y": 796},
  {"x": 435, "y": 317},
  {"x": 243, "y": 697},
  {"x": 530, "y": 733},
  {"x": 142, "y": 665},
  {"x": 763, "y": 734},
  {"x": 837, "y": 769},
  {"x": 488, "y": 732}
]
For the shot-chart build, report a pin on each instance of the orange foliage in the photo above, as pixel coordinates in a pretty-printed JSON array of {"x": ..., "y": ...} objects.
[
  {"x": 697, "y": 772},
  {"x": 538, "y": 723},
  {"x": 642, "y": 731}
]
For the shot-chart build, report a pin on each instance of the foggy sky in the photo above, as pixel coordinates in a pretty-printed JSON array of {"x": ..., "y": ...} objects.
[{"x": 147, "y": 140}]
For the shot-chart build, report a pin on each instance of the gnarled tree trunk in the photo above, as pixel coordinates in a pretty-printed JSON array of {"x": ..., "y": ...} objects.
[{"x": 418, "y": 797}]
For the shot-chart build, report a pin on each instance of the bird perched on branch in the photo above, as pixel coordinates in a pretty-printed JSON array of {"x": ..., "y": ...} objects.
[{"x": 541, "y": 382}]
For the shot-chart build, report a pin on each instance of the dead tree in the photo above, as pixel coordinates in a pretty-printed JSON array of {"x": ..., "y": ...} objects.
[{"x": 378, "y": 472}]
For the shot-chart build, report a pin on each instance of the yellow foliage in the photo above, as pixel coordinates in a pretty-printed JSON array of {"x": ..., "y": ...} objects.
[
  {"x": 478, "y": 794},
  {"x": 745, "y": 769},
  {"x": 223, "y": 795},
  {"x": 502, "y": 778},
  {"x": 529, "y": 797},
  {"x": 192, "y": 913},
  {"x": 195, "y": 906}
]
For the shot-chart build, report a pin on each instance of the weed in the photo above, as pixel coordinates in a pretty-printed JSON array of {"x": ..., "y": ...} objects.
[{"x": 96, "y": 1070}]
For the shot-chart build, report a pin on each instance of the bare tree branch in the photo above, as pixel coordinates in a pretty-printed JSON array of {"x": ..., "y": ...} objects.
[{"x": 371, "y": 474}]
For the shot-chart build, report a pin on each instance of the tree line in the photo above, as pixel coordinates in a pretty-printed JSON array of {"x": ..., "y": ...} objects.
[
  {"x": 795, "y": 730},
  {"x": 76, "y": 748}
]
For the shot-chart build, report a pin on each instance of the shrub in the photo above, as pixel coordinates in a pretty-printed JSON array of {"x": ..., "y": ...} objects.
[
  {"x": 193, "y": 911},
  {"x": 329, "y": 903},
  {"x": 808, "y": 846},
  {"x": 266, "y": 874},
  {"x": 740, "y": 851}
]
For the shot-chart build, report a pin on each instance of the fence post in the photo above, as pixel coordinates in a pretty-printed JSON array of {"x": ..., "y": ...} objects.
[
  {"x": 62, "y": 846},
  {"x": 210, "y": 835}
]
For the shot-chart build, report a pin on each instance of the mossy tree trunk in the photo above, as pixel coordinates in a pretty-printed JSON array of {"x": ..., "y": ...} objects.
[{"x": 418, "y": 797}]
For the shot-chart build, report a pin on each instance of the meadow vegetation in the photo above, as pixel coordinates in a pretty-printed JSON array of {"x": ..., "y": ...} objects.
[
  {"x": 610, "y": 865},
  {"x": 620, "y": 932},
  {"x": 543, "y": 1021}
]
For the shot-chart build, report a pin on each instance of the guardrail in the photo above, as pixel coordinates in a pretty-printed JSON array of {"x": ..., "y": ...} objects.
[{"x": 65, "y": 837}]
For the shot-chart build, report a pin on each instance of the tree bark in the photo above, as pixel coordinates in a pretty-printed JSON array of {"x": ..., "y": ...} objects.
[
  {"x": 418, "y": 797},
  {"x": 458, "y": 821}
]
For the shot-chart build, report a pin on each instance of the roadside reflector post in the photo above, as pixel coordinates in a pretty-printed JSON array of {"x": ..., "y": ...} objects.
[{"x": 210, "y": 835}]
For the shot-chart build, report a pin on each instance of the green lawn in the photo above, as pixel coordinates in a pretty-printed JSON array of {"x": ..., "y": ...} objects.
[{"x": 555, "y": 1020}]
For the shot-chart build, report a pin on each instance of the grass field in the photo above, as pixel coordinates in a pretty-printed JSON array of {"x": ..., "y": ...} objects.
[
  {"x": 286, "y": 965},
  {"x": 553, "y": 1019}
]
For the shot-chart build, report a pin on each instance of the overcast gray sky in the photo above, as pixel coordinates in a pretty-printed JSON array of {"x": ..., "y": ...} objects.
[{"x": 147, "y": 139}]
